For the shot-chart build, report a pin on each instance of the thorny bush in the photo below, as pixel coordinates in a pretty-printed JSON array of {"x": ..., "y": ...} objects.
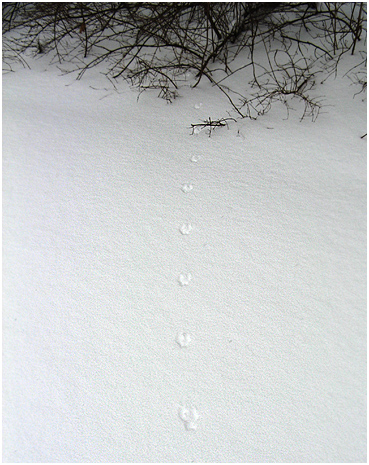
[{"x": 280, "y": 47}]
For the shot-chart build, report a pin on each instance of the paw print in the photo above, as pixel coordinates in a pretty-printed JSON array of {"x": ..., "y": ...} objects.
[
  {"x": 189, "y": 416},
  {"x": 183, "y": 339},
  {"x": 185, "y": 228},
  {"x": 187, "y": 188},
  {"x": 185, "y": 279}
]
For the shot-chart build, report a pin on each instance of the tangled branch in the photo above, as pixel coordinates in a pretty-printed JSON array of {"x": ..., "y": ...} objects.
[
  {"x": 277, "y": 49},
  {"x": 210, "y": 125}
]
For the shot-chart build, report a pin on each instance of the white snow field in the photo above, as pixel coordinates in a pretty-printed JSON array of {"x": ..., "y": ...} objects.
[{"x": 171, "y": 297}]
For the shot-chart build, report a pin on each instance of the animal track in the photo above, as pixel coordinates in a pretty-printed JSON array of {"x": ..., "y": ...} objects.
[
  {"x": 187, "y": 413},
  {"x": 189, "y": 416},
  {"x": 184, "y": 279},
  {"x": 187, "y": 188},
  {"x": 185, "y": 228},
  {"x": 183, "y": 339}
]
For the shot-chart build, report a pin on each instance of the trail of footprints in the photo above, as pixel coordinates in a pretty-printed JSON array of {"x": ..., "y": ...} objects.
[{"x": 187, "y": 413}]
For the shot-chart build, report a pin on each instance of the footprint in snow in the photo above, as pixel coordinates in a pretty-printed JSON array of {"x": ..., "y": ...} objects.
[
  {"x": 189, "y": 416},
  {"x": 197, "y": 130},
  {"x": 183, "y": 339},
  {"x": 184, "y": 279},
  {"x": 185, "y": 228},
  {"x": 187, "y": 188}
]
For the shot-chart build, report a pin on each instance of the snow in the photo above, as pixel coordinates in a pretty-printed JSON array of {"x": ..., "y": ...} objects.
[{"x": 171, "y": 297}]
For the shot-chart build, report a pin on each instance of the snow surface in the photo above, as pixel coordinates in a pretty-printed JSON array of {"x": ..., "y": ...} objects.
[{"x": 171, "y": 297}]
